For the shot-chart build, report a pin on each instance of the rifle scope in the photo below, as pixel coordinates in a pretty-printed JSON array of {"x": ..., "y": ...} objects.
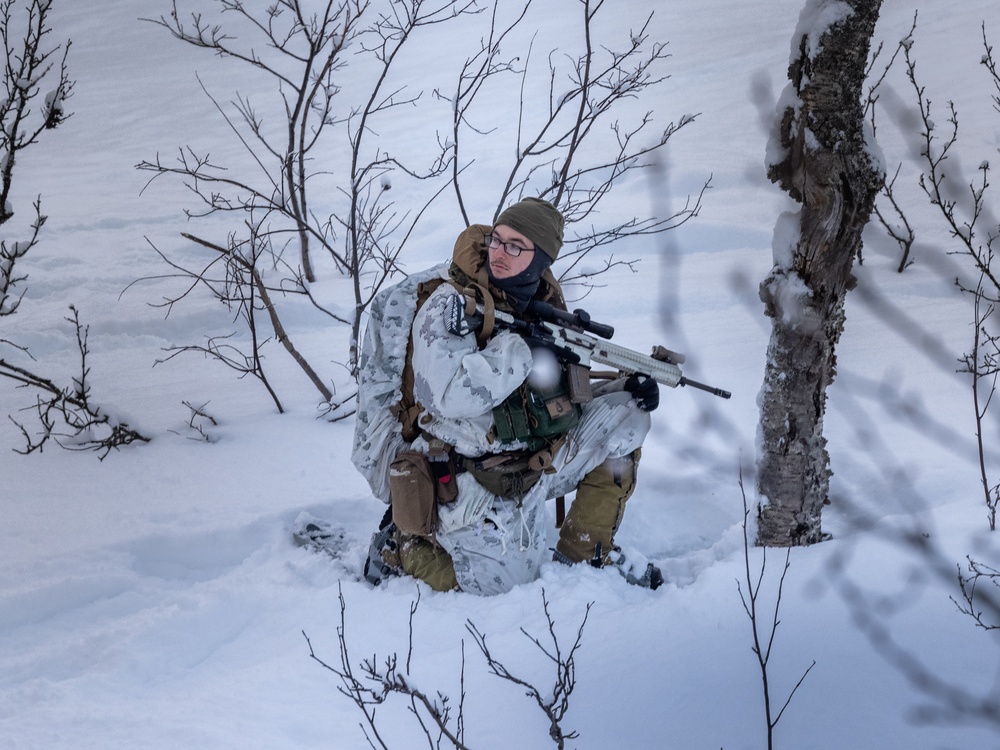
[{"x": 579, "y": 319}]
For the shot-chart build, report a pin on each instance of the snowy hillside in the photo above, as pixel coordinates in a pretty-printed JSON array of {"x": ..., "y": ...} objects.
[{"x": 155, "y": 599}]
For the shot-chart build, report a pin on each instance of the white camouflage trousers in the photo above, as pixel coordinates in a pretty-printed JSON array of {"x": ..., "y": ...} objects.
[{"x": 497, "y": 543}]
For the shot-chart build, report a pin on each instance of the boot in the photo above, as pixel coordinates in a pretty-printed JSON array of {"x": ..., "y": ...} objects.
[
  {"x": 588, "y": 532},
  {"x": 380, "y": 564},
  {"x": 649, "y": 577},
  {"x": 383, "y": 552},
  {"x": 427, "y": 561}
]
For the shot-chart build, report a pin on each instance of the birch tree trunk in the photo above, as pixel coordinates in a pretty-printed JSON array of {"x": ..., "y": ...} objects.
[{"x": 825, "y": 164}]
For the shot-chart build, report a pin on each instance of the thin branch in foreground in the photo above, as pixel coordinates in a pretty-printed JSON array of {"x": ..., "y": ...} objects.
[
  {"x": 555, "y": 702},
  {"x": 380, "y": 679},
  {"x": 763, "y": 641}
]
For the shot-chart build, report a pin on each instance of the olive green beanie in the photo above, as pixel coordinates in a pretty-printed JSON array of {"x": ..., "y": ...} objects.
[{"x": 539, "y": 221}]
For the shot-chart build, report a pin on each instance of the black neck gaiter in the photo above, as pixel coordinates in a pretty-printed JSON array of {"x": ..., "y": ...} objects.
[{"x": 521, "y": 289}]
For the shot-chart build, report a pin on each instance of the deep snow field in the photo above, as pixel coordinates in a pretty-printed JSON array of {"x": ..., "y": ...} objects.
[{"x": 155, "y": 599}]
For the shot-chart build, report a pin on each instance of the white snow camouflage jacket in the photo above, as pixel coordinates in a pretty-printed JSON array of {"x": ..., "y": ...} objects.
[
  {"x": 447, "y": 366},
  {"x": 378, "y": 434},
  {"x": 457, "y": 383}
]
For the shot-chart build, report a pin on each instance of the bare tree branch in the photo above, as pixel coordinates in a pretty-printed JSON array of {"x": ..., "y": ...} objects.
[
  {"x": 763, "y": 636},
  {"x": 66, "y": 414},
  {"x": 553, "y": 702},
  {"x": 380, "y": 679}
]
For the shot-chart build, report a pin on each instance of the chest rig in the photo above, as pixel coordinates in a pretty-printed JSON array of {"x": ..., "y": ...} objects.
[{"x": 537, "y": 416}]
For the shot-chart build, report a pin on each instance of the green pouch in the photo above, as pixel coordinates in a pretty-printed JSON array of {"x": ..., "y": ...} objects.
[{"x": 534, "y": 417}]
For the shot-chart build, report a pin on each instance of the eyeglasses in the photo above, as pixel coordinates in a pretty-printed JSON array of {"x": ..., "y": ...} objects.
[{"x": 493, "y": 242}]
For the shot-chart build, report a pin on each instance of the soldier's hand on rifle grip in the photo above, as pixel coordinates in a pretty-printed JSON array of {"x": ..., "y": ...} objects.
[{"x": 644, "y": 390}]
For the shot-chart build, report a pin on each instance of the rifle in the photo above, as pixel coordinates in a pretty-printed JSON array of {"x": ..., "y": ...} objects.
[{"x": 568, "y": 334}]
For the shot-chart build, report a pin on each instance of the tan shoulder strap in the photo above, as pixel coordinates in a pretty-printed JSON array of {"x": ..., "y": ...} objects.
[
  {"x": 407, "y": 411},
  {"x": 552, "y": 293},
  {"x": 476, "y": 294}
]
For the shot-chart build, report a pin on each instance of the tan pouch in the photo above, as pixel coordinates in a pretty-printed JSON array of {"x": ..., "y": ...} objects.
[{"x": 412, "y": 487}]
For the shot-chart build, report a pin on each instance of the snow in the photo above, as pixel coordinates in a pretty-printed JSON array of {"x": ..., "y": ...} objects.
[
  {"x": 816, "y": 18},
  {"x": 786, "y": 236},
  {"x": 155, "y": 599}
]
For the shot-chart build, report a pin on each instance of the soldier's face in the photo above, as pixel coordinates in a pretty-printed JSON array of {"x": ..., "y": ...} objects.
[{"x": 502, "y": 263}]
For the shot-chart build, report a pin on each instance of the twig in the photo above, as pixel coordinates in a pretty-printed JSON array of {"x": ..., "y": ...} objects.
[
  {"x": 763, "y": 641},
  {"x": 383, "y": 679},
  {"x": 554, "y": 703},
  {"x": 65, "y": 413}
]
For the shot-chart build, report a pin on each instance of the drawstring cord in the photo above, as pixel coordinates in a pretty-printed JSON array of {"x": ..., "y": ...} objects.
[{"x": 525, "y": 531}]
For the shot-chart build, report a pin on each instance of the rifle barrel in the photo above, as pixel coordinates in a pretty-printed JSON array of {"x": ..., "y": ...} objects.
[
  {"x": 709, "y": 388},
  {"x": 663, "y": 370}
]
